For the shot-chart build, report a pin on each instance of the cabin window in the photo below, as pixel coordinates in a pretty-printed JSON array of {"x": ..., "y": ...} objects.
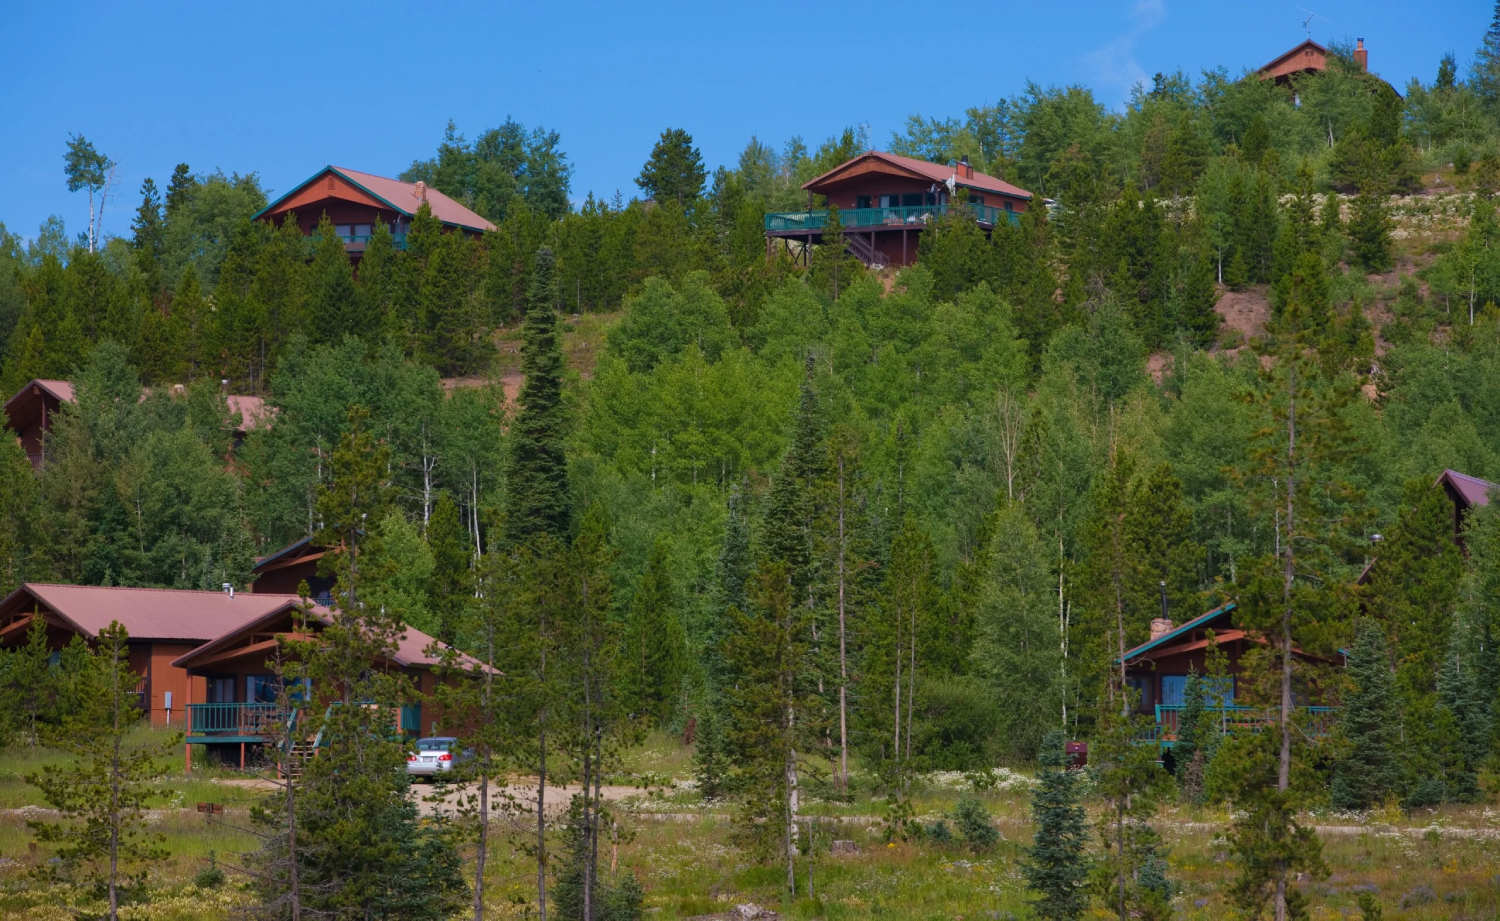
[
  {"x": 1140, "y": 687},
  {"x": 1009, "y": 206},
  {"x": 913, "y": 200},
  {"x": 260, "y": 689},
  {"x": 221, "y": 690},
  {"x": 1216, "y": 691},
  {"x": 862, "y": 201},
  {"x": 976, "y": 199},
  {"x": 890, "y": 201},
  {"x": 363, "y": 230},
  {"x": 342, "y": 230}
]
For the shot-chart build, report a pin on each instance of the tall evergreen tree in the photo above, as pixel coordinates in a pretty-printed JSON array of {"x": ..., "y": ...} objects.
[
  {"x": 1370, "y": 722},
  {"x": 1057, "y": 867},
  {"x": 333, "y": 310},
  {"x": 655, "y": 644},
  {"x": 675, "y": 170},
  {"x": 450, "y": 588},
  {"x": 537, "y": 500}
]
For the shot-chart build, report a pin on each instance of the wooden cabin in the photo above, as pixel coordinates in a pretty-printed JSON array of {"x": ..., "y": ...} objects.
[
  {"x": 355, "y": 202},
  {"x": 284, "y": 570},
  {"x": 1157, "y": 672},
  {"x": 30, "y": 413},
  {"x": 1307, "y": 58},
  {"x": 1465, "y": 492},
  {"x": 163, "y": 623},
  {"x": 885, "y": 201},
  {"x": 241, "y": 694}
]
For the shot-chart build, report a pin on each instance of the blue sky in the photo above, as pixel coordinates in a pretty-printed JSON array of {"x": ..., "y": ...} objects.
[{"x": 282, "y": 88}]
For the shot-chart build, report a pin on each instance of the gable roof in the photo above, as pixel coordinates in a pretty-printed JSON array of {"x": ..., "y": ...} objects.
[
  {"x": 253, "y": 410},
  {"x": 411, "y": 646},
  {"x": 21, "y": 408},
  {"x": 1471, "y": 489},
  {"x": 1202, "y": 620},
  {"x": 163, "y": 614},
  {"x": 922, "y": 169},
  {"x": 401, "y": 197},
  {"x": 1285, "y": 55}
]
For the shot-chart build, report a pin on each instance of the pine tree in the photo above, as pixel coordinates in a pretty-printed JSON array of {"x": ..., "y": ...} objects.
[
  {"x": 769, "y": 709},
  {"x": 1195, "y": 737},
  {"x": 450, "y": 588},
  {"x": 333, "y": 309},
  {"x": 1159, "y": 528},
  {"x": 1370, "y": 231},
  {"x": 179, "y": 188},
  {"x": 108, "y": 785},
  {"x": 1371, "y": 723},
  {"x": 732, "y": 574},
  {"x": 537, "y": 500},
  {"x": 357, "y": 496},
  {"x": 675, "y": 170},
  {"x": 831, "y": 269},
  {"x": 1484, "y": 74},
  {"x": 448, "y": 324},
  {"x": 656, "y": 646},
  {"x": 1057, "y": 867},
  {"x": 147, "y": 235}
]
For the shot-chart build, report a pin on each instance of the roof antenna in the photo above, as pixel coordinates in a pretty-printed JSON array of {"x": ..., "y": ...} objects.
[{"x": 1307, "y": 23}]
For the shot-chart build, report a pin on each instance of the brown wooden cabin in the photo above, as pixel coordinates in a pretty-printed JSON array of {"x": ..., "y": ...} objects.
[
  {"x": 241, "y": 693},
  {"x": 284, "y": 570},
  {"x": 1157, "y": 672},
  {"x": 30, "y": 414},
  {"x": 885, "y": 200},
  {"x": 32, "y": 410},
  {"x": 1307, "y": 58},
  {"x": 163, "y": 623},
  {"x": 355, "y": 202}
]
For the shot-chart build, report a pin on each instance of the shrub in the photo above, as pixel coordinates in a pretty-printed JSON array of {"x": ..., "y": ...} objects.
[
  {"x": 974, "y": 826},
  {"x": 209, "y": 877}
]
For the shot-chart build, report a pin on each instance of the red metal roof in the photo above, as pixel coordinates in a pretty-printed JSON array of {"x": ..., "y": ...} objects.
[
  {"x": 402, "y": 197},
  {"x": 405, "y": 196},
  {"x": 935, "y": 171},
  {"x": 62, "y": 391},
  {"x": 1471, "y": 489},
  {"x": 168, "y": 614},
  {"x": 411, "y": 646},
  {"x": 252, "y": 410}
]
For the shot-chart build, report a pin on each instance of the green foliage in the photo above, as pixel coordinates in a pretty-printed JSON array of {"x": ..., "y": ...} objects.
[
  {"x": 661, "y": 323},
  {"x": 502, "y": 167},
  {"x": 1058, "y": 865},
  {"x": 450, "y": 589},
  {"x": 655, "y": 643},
  {"x": 974, "y": 825},
  {"x": 675, "y": 170},
  {"x": 1370, "y": 722},
  {"x": 101, "y": 797},
  {"x": 537, "y": 500}
]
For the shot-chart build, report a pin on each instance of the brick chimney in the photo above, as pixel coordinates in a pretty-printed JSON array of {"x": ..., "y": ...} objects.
[
  {"x": 421, "y": 190},
  {"x": 1361, "y": 56},
  {"x": 1160, "y": 627},
  {"x": 966, "y": 170}
]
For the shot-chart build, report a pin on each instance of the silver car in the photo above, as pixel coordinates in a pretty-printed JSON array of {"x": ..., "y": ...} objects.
[{"x": 434, "y": 755}]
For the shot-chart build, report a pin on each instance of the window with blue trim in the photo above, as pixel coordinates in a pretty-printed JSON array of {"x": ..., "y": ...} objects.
[{"x": 1217, "y": 692}]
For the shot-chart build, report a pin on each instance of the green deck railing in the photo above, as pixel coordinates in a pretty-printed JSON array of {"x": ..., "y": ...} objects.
[
  {"x": 234, "y": 719},
  {"x": 1314, "y": 722},
  {"x": 912, "y": 216}
]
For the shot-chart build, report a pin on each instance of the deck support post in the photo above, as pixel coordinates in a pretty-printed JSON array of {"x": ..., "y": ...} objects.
[
  {"x": 242, "y": 756},
  {"x": 903, "y": 246}
]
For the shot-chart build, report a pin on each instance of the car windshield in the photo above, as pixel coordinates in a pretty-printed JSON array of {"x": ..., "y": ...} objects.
[{"x": 434, "y": 745}]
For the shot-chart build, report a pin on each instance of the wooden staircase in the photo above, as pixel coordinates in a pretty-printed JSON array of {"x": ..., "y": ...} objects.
[{"x": 865, "y": 251}]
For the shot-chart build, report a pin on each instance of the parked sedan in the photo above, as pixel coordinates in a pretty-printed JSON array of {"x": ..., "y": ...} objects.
[{"x": 434, "y": 755}]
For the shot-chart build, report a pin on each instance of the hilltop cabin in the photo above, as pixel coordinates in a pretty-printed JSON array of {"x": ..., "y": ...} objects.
[
  {"x": 163, "y": 623},
  {"x": 1307, "y": 58},
  {"x": 241, "y": 707},
  {"x": 284, "y": 570},
  {"x": 885, "y": 200},
  {"x": 1157, "y": 672},
  {"x": 355, "y": 202},
  {"x": 32, "y": 410}
]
